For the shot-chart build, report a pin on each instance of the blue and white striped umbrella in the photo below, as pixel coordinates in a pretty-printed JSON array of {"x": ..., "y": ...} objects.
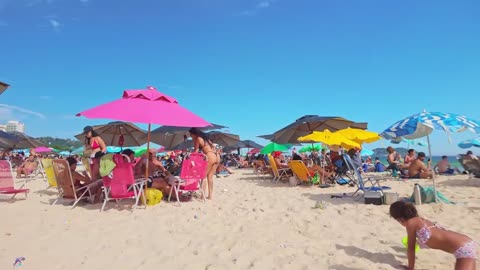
[
  {"x": 470, "y": 143},
  {"x": 409, "y": 142},
  {"x": 422, "y": 124}
]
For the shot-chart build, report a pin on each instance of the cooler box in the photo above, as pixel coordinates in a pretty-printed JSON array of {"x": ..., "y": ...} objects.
[{"x": 374, "y": 197}]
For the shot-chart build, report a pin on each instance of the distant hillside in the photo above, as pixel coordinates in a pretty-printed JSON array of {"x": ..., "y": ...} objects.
[
  {"x": 382, "y": 152},
  {"x": 60, "y": 144}
]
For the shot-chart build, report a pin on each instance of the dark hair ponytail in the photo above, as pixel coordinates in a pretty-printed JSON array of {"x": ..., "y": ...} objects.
[
  {"x": 403, "y": 210},
  {"x": 197, "y": 132}
]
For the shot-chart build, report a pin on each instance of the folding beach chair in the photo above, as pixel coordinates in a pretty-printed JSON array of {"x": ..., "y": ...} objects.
[
  {"x": 360, "y": 182},
  {"x": 7, "y": 182},
  {"x": 49, "y": 174},
  {"x": 472, "y": 166},
  {"x": 194, "y": 170},
  {"x": 301, "y": 171},
  {"x": 277, "y": 173},
  {"x": 260, "y": 168},
  {"x": 66, "y": 185},
  {"x": 122, "y": 185}
]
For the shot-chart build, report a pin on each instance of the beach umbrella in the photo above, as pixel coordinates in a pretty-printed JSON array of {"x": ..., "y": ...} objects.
[
  {"x": 273, "y": 147},
  {"x": 43, "y": 149},
  {"x": 78, "y": 151},
  {"x": 147, "y": 106},
  {"x": 7, "y": 140},
  {"x": 409, "y": 142},
  {"x": 470, "y": 143},
  {"x": 64, "y": 153},
  {"x": 3, "y": 87},
  {"x": 329, "y": 138},
  {"x": 170, "y": 136},
  {"x": 359, "y": 135},
  {"x": 268, "y": 137},
  {"x": 187, "y": 144},
  {"x": 423, "y": 124},
  {"x": 119, "y": 134},
  {"x": 310, "y": 148},
  {"x": 366, "y": 152},
  {"x": 22, "y": 141},
  {"x": 223, "y": 139},
  {"x": 254, "y": 151},
  {"x": 310, "y": 123}
]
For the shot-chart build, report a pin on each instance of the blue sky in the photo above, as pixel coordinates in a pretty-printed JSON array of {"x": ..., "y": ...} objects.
[{"x": 254, "y": 66}]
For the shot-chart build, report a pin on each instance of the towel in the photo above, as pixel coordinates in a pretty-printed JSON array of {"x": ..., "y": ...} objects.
[{"x": 106, "y": 165}]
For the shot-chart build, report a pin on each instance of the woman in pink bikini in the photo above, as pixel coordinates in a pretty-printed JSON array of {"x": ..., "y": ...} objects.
[
  {"x": 94, "y": 143},
  {"x": 431, "y": 235}
]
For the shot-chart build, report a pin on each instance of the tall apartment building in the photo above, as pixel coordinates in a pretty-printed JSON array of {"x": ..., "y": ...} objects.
[
  {"x": 15, "y": 126},
  {"x": 3, "y": 127}
]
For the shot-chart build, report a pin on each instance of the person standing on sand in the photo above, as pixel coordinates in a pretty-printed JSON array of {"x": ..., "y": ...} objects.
[
  {"x": 203, "y": 143},
  {"x": 434, "y": 236},
  {"x": 417, "y": 168}
]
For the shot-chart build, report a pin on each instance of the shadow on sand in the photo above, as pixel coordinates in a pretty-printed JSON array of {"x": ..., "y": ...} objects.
[
  {"x": 382, "y": 258},
  {"x": 474, "y": 182}
]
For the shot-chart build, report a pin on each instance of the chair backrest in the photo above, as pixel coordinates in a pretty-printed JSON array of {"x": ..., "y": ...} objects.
[
  {"x": 63, "y": 175},
  {"x": 50, "y": 174},
  {"x": 194, "y": 169},
  {"x": 355, "y": 171},
  {"x": 273, "y": 165},
  {"x": 470, "y": 165},
  {"x": 300, "y": 170},
  {"x": 122, "y": 176},
  {"x": 6, "y": 176}
]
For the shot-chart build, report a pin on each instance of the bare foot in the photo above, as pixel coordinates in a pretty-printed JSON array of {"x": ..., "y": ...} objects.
[{"x": 209, "y": 198}]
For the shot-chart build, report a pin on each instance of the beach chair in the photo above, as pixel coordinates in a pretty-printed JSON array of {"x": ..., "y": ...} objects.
[
  {"x": 260, "y": 168},
  {"x": 7, "y": 182},
  {"x": 49, "y": 174},
  {"x": 472, "y": 166},
  {"x": 66, "y": 186},
  {"x": 122, "y": 184},
  {"x": 301, "y": 171},
  {"x": 360, "y": 182},
  {"x": 277, "y": 173},
  {"x": 194, "y": 170}
]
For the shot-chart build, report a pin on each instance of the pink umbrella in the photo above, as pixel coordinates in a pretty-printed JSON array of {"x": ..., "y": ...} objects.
[
  {"x": 43, "y": 149},
  {"x": 147, "y": 106},
  {"x": 253, "y": 151}
]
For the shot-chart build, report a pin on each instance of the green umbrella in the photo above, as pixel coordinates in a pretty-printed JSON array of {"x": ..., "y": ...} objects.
[
  {"x": 272, "y": 147},
  {"x": 140, "y": 151},
  {"x": 311, "y": 148}
]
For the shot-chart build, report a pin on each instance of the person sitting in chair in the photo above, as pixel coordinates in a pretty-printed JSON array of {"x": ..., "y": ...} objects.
[{"x": 27, "y": 167}]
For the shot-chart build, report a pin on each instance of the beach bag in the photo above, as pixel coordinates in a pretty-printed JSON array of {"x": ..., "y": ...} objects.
[
  {"x": 428, "y": 196},
  {"x": 293, "y": 181},
  {"x": 153, "y": 196}
]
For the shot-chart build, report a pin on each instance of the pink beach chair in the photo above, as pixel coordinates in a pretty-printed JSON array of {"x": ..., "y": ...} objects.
[
  {"x": 7, "y": 182},
  {"x": 122, "y": 185},
  {"x": 194, "y": 170}
]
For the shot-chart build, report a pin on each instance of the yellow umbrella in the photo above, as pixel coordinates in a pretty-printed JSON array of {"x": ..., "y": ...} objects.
[
  {"x": 359, "y": 135},
  {"x": 330, "y": 138}
]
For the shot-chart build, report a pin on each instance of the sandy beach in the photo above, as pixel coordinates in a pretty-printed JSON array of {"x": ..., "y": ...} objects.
[{"x": 251, "y": 224}]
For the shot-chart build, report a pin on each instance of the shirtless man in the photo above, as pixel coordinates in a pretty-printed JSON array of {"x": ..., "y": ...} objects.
[
  {"x": 154, "y": 165},
  {"x": 444, "y": 166},
  {"x": 418, "y": 169},
  {"x": 27, "y": 167}
]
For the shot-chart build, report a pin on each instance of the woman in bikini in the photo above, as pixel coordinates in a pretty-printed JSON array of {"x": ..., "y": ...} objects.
[
  {"x": 431, "y": 235},
  {"x": 204, "y": 144},
  {"x": 94, "y": 143}
]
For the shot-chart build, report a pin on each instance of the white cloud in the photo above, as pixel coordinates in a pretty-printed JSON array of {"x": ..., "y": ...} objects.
[
  {"x": 10, "y": 112},
  {"x": 55, "y": 24},
  {"x": 261, "y": 5}
]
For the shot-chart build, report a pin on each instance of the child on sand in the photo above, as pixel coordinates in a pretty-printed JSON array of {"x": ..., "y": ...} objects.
[{"x": 432, "y": 235}]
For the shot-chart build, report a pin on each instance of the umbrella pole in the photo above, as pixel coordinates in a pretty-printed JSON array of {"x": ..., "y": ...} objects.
[
  {"x": 433, "y": 172},
  {"x": 148, "y": 152}
]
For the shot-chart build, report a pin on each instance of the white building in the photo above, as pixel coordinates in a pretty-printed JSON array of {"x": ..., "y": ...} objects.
[
  {"x": 15, "y": 126},
  {"x": 3, "y": 127}
]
